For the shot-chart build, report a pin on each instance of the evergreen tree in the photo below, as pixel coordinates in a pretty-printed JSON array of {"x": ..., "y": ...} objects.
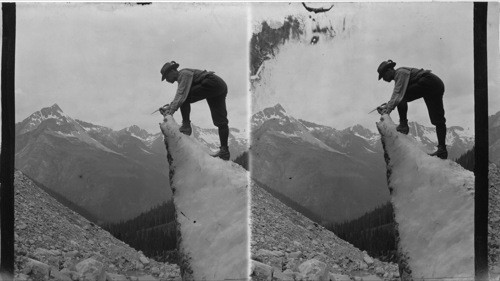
[
  {"x": 467, "y": 160},
  {"x": 152, "y": 232}
]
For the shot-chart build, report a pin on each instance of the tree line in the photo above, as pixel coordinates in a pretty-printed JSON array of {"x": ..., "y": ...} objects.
[
  {"x": 374, "y": 232},
  {"x": 152, "y": 232},
  {"x": 467, "y": 160}
]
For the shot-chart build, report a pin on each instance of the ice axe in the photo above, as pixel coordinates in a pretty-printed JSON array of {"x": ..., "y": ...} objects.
[
  {"x": 159, "y": 109},
  {"x": 382, "y": 105}
]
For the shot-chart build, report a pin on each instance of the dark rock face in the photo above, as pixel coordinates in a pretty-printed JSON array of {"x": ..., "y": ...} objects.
[
  {"x": 264, "y": 44},
  {"x": 55, "y": 243}
]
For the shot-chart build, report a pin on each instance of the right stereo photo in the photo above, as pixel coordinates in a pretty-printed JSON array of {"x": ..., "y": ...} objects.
[{"x": 362, "y": 141}]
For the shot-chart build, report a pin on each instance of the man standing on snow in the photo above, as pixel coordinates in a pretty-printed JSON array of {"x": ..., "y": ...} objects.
[
  {"x": 195, "y": 85},
  {"x": 412, "y": 84}
]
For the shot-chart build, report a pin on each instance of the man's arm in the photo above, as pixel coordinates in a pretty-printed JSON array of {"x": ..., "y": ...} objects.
[
  {"x": 185, "y": 80},
  {"x": 401, "y": 83}
]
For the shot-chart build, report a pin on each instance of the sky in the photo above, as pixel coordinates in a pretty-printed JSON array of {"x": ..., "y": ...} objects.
[
  {"x": 335, "y": 82},
  {"x": 100, "y": 62}
]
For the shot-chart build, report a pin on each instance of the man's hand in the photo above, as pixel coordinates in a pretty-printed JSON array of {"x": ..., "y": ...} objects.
[
  {"x": 382, "y": 109},
  {"x": 164, "y": 109}
]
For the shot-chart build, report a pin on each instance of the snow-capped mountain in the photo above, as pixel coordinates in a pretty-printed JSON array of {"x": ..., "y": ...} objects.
[
  {"x": 114, "y": 175},
  {"x": 109, "y": 174},
  {"x": 284, "y": 147},
  {"x": 142, "y": 134},
  {"x": 458, "y": 139},
  {"x": 335, "y": 174},
  {"x": 238, "y": 140},
  {"x": 286, "y": 125}
]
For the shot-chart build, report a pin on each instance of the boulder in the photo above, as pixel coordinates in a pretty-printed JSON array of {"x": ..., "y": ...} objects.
[
  {"x": 91, "y": 270},
  {"x": 261, "y": 271},
  {"x": 115, "y": 277},
  {"x": 60, "y": 276},
  {"x": 37, "y": 270},
  {"x": 146, "y": 278},
  {"x": 314, "y": 270},
  {"x": 281, "y": 276},
  {"x": 144, "y": 260},
  {"x": 264, "y": 252},
  {"x": 339, "y": 277},
  {"x": 371, "y": 278},
  {"x": 368, "y": 260},
  {"x": 295, "y": 255}
]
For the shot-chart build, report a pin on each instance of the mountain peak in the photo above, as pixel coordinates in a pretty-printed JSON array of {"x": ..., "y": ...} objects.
[
  {"x": 362, "y": 131},
  {"x": 278, "y": 107},
  {"x": 35, "y": 119},
  {"x": 136, "y": 131},
  {"x": 53, "y": 111},
  {"x": 56, "y": 107}
]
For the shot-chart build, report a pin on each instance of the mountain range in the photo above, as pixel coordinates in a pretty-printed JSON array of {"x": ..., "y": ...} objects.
[
  {"x": 114, "y": 175},
  {"x": 337, "y": 174}
]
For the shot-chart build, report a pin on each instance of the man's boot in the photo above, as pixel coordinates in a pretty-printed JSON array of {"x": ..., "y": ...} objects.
[
  {"x": 403, "y": 127},
  {"x": 186, "y": 128},
  {"x": 223, "y": 153},
  {"x": 441, "y": 152}
]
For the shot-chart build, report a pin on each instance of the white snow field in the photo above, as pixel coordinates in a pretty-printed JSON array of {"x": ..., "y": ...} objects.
[
  {"x": 211, "y": 200},
  {"x": 433, "y": 202}
]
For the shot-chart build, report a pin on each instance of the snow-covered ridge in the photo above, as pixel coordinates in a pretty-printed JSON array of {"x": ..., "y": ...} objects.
[
  {"x": 433, "y": 202},
  {"x": 275, "y": 112},
  {"x": 290, "y": 127},
  {"x": 35, "y": 119},
  {"x": 211, "y": 200}
]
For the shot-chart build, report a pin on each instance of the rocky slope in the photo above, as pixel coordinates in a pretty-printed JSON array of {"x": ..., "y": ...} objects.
[
  {"x": 285, "y": 245},
  {"x": 494, "y": 137},
  {"x": 55, "y": 243},
  {"x": 494, "y": 222}
]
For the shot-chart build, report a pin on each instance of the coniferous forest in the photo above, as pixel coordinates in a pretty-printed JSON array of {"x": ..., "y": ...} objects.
[
  {"x": 373, "y": 232},
  {"x": 467, "y": 160},
  {"x": 152, "y": 232}
]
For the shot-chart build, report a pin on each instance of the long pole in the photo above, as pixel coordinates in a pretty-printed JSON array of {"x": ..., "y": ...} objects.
[
  {"x": 8, "y": 140},
  {"x": 481, "y": 141}
]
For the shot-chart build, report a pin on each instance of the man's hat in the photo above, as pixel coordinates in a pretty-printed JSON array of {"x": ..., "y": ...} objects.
[
  {"x": 382, "y": 68},
  {"x": 167, "y": 67}
]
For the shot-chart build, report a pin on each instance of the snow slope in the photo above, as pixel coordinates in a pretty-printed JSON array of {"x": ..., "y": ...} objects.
[
  {"x": 211, "y": 200},
  {"x": 433, "y": 202}
]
